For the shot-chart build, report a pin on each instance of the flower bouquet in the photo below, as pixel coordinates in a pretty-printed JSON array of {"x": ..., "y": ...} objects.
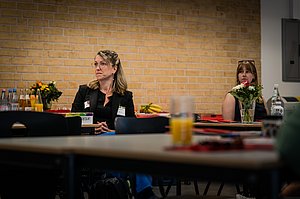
[
  {"x": 247, "y": 94},
  {"x": 49, "y": 92}
]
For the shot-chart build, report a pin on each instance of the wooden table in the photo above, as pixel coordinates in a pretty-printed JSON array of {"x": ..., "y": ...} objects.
[
  {"x": 142, "y": 153},
  {"x": 231, "y": 126}
]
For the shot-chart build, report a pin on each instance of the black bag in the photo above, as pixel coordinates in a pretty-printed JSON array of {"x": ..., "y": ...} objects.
[{"x": 110, "y": 188}]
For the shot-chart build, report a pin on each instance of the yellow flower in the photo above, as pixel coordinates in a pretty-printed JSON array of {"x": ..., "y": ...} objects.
[{"x": 49, "y": 91}]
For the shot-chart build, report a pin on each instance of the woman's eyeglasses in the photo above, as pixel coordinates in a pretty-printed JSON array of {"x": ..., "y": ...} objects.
[{"x": 100, "y": 64}]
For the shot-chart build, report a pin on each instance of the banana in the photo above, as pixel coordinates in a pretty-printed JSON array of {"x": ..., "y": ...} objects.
[
  {"x": 154, "y": 109},
  {"x": 143, "y": 108},
  {"x": 150, "y": 111},
  {"x": 150, "y": 108},
  {"x": 155, "y": 106}
]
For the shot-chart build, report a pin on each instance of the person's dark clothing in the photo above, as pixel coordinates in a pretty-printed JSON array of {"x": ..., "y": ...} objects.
[
  {"x": 90, "y": 100},
  {"x": 287, "y": 141}
]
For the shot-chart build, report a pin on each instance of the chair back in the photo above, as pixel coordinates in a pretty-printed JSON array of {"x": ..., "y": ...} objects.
[
  {"x": 36, "y": 124},
  {"x": 74, "y": 125},
  {"x": 132, "y": 125}
]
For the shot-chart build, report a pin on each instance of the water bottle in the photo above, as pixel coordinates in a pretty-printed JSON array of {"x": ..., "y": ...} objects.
[
  {"x": 274, "y": 95},
  {"x": 3, "y": 101},
  {"x": 27, "y": 104},
  {"x": 9, "y": 99},
  {"x": 276, "y": 107},
  {"x": 14, "y": 102},
  {"x": 22, "y": 100},
  {"x": 38, "y": 103}
]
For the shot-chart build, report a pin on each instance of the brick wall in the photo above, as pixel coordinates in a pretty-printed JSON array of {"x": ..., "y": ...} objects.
[{"x": 167, "y": 47}]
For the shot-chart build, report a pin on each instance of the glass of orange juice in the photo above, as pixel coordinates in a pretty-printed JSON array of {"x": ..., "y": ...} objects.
[
  {"x": 181, "y": 122},
  {"x": 38, "y": 107},
  {"x": 32, "y": 101}
]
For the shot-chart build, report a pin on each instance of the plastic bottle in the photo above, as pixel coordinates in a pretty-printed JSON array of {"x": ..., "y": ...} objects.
[
  {"x": 32, "y": 99},
  {"x": 22, "y": 100},
  {"x": 276, "y": 106},
  {"x": 277, "y": 109},
  {"x": 27, "y": 104},
  {"x": 274, "y": 95},
  {"x": 38, "y": 101},
  {"x": 3, "y": 101},
  {"x": 15, "y": 103},
  {"x": 9, "y": 99}
]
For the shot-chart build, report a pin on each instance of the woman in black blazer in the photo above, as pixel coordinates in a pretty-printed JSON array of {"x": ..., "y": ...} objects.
[{"x": 106, "y": 96}]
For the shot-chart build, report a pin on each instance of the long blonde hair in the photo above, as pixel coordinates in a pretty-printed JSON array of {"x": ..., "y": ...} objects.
[{"x": 119, "y": 84}]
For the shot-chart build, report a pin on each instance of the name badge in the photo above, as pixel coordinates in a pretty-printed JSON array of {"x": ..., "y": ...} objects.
[
  {"x": 86, "y": 104},
  {"x": 121, "y": 111}
]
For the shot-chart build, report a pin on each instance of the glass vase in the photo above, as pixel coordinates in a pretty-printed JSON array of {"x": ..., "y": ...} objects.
[
  {"x": 247, "y": 110},
  {"x": 46, "y": 105}
]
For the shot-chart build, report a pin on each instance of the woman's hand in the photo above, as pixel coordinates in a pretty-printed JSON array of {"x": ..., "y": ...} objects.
[{"x": 102, "y": 127}]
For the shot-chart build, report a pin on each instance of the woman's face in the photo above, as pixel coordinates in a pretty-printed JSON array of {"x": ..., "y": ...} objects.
[
  {"x": 245, "y": 75},
  {"x": 103, "y": 69}
]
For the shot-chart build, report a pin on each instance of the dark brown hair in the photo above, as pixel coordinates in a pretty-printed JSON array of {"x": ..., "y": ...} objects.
[{"x": 248, "y": 65}]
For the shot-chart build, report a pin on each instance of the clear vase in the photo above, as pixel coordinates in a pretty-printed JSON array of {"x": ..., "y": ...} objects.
[
  {"x": 46, "y": 105},
  {"x": 247, "y": 110}
]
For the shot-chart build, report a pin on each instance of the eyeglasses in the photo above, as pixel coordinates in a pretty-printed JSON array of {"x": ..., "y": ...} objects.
[
  {"x": 246, "y": 61},
  {"x": 101, "y": 64}
]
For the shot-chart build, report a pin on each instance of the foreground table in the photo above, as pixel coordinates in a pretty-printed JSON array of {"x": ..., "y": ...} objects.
[
  {"x": 232, "y": 126},
  {"x": 141, "y": 153}
]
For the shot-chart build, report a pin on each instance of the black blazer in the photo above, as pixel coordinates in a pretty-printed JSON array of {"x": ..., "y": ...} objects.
[{"x": 85, "y": 94}]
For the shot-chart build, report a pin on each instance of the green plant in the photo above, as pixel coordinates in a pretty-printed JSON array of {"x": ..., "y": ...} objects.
[{"x": 48, "y": 91}]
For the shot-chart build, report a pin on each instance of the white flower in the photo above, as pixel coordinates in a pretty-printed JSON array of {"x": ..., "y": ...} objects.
[
  {"x": 237, "y": 87},
  {"x": 251, "y": 88},
  {"x": 246, "y": 92}
]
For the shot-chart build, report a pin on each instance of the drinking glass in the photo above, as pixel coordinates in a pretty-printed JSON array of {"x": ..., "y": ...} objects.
[
  {"x": 181, "y": 122},
  {"x": 38, "y": 107},
  {"x": 32, "y": 101}
]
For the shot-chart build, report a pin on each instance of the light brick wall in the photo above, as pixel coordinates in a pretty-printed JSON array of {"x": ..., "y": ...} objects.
[{"x": 167, "y": 47}]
